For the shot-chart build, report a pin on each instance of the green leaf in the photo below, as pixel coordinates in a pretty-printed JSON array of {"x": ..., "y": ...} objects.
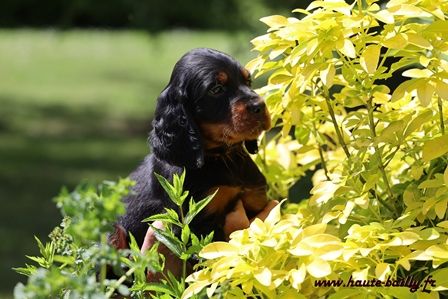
[
  {"x": 169, "y": 189},
  {"x": 435, "y": 148},
  {"x": 185, "y": 235},
  {"x": 166, "y": 218},
  {"x": 168, "y": 239},
  {"x": 195, "y": 208}
]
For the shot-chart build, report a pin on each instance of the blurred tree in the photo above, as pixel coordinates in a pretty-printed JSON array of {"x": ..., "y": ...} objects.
[{"x": 152, "y": 15}]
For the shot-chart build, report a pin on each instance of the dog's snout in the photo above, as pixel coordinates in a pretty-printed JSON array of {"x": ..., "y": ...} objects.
[{"x": 256, "y": 107}]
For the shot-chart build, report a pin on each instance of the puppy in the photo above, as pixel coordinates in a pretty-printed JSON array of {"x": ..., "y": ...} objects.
[{"x": 206, "y": 121}]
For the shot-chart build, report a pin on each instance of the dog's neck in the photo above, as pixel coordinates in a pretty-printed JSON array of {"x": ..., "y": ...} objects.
[{"x": 224, "y": 150}]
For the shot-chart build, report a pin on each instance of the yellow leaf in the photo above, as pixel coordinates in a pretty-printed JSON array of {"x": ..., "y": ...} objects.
[
  {"x": 423, "y": 60},
  {"x": 440, "y": 208},
  {"x": 361, "y": 274},
  {"x": 255, "y": 64},
  {"x": 443, "y": 224},
  {"x": 397, "y": 41},
  {"x": 320, "y": 240},
  {"x": 384, "y": 16},
  {"x": 445, "y": 176},
  {"x": 442, "y": 89},
  {"x": 417, "y": 122},
  {"x": 438, "y": 251},
  {"x": 298, "y": 276},
  {"x": 381, "y": 98},
  {"x": 418, "y": 40},
  {"x": 329, "y": 252},
  {"x": 258, "y": 227},
  {"x": 435, "y": 148},
  {"x": 314, "y": 229},
  {"x": 280, "y": 76},
  {"x": 425, "y": 92},
  {"x": 417, "y": 73},
  {"x": 246, "y": 286},
  {"x": 274, "y": 215},
  {"x": 218, "y": 249},
  {"x": 429, "y": 234},
  {"x": 327, "y": 75},
  {"x": 348, "y": 49},
  {"x": 438, "y": 26},
  {"x": 347, "y": 211},
  {"x": 336, "y": 5},
  {"x": 311, "y": 46},
  {"x": 408, "y": 238},
  {"x": 275, "y": 21},
  {"x": 382, "y": 270},
  {"x": 405, "y": 87},
  {"x": 278, "y": 51},
  {"x": 319, "y": 268},
  {"x": 302, "y": 249},
  {"x": 369, "y": 58},
  {"x": 322, "y": 192},
  {"x": 441, "y": 277},
  {"x": 404, "y": 262},
  {"x": 408, "y": 10},
  {"x": 211, "y": 290},
  {"x": 264, "y": 277},
  {"x": 303, "y": 11},
  {"x": 194, "y": 289}
]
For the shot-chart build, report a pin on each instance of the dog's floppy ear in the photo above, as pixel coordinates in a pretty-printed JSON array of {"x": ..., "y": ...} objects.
[
  {"x": 251, "y": 146},
  {"x": 175, "y": 137}
]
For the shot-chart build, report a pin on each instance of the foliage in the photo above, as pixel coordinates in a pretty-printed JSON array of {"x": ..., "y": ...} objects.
[
  {"x": 358, "y": 94},
  {"x": 74, "y": 264}
]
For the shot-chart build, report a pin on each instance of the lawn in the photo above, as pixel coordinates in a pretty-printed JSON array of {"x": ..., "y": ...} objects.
[{"x": 76, "y": 106}]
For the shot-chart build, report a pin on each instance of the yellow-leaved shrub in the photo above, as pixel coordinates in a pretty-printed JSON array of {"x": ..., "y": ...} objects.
[{"x": 358, "y": 93}]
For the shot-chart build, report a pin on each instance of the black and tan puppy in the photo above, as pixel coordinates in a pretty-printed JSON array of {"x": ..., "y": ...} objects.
[{"x": 206, "y": 120}]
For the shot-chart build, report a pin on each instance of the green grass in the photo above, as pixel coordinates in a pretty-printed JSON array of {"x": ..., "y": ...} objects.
[{"x": 76, "y": 106}]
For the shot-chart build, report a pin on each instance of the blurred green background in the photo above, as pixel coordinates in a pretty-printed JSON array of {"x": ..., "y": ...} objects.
[{"x": 78, "y": 84}]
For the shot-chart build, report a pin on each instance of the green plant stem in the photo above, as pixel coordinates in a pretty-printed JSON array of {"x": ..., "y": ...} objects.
[
  {"x": 442, "y": 122},
  {"x": 361, "y": 12},
  {"x": 324, "y": 164},
  {"x": 103, "y": 270},
  {"x": 378, "y": 154},
  {"x": 347, "y": 153},
  {"x": 321, "y": 152},
  {"x": 120, "y": 281},
  {"x": 336, "y": 126}
]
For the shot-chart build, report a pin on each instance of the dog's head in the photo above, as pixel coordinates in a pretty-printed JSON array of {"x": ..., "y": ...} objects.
[{"x": 207, "y": 104}]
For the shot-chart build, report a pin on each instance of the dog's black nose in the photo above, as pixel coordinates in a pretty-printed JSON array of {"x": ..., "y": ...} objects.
[{"x": 256, "y": 107}]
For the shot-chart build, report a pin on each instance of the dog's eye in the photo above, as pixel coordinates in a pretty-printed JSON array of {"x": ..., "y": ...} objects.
[
  {"x": 249, "y": 82},
  {"x": 217, "y": 89}
]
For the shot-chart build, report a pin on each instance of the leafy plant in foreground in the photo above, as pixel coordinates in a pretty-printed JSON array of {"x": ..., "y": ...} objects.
[
  {"x": 74, "y": 263},
  {"x": 378, "y": 208}
]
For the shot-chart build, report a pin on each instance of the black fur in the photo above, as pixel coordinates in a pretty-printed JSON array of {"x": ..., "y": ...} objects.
[{"x": 177, "y": 141}]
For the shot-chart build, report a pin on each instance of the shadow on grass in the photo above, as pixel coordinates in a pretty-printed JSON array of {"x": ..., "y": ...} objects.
[{"x": 45, "y": 147}]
